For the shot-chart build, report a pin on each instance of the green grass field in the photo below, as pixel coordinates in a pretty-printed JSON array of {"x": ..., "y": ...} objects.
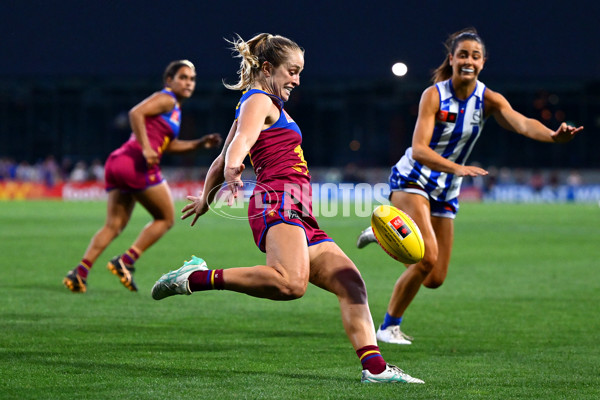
[{"x": 516, "y": 319}]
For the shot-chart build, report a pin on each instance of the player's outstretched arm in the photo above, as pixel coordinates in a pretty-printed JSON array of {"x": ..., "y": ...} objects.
[
  {"x": 512, "y": 120},
  {"x": 205, "y": 142}
]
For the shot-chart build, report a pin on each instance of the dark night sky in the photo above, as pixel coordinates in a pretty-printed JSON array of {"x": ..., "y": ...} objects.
[{"x": 525, "y": 39}]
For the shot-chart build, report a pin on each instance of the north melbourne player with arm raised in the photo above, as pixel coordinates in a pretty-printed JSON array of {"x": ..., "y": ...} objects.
[{"x": 425, "y": 183}]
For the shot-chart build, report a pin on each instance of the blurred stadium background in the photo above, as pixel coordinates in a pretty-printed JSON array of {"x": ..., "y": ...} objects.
[
  {"x": 69, "y": 81},
  {"x": 353, "y": 132}
]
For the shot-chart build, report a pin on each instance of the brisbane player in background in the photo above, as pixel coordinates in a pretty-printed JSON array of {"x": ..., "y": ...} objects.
[{"x": 133, "y": 175}]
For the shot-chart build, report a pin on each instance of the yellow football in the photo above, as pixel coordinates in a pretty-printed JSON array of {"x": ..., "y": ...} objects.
[{"x": 397, "y": 234}]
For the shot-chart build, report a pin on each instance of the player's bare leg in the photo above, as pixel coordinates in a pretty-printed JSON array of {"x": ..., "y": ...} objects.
[
  {"x": 118, "y": 212},
  {"x": 409, "y": 283},
  {"x": 333, "y": 271},
  {"x": 431, "y": 269},
  {"x": 444, "y": 233},
  {"x": 284, "y": 277},
  {"x": 159, "y": 203},
  {"x": 119, "y": 209},
  {"x": 290, "y": 264}
]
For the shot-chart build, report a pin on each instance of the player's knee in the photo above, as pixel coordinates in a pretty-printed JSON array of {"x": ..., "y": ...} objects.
[
  {"x": 436, "y": 277},
  {"x": 429, "y": 260},
  {"x": 426, "y": 265},
  {"x": 165, "y": 223},
  {"x": 115, "y": 227},
  {"x": 291, "y": 290},
  {"x": 287, "y": 285},
  {"x": 433, "y": 282}
]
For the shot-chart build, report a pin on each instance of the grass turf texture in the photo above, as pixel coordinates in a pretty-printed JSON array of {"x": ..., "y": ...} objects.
[{"x": 516, "y": 318}]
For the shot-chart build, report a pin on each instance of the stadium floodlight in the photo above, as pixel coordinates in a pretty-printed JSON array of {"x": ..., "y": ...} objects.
[{"x": 399, "y": 69}]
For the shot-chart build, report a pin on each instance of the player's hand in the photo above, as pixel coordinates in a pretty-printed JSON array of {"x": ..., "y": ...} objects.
[
  {"x": 210, "y": 141},
  {"x": 197, "y": 206},
  {"x": 565, "y": 133},
  {"x": 470, "y": 170},
  {"x": 151, "y": 157},
  {"x": 233, "y": 178}
]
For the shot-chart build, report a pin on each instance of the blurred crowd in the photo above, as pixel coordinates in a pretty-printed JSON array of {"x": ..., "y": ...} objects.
[
  {"x": 50, "y": 172},
  {"x": 534, "y": 178}
]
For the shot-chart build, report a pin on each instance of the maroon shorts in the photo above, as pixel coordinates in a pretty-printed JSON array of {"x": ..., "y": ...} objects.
[
  {"x": 129, "y": 173},
  {"x": 268, "y": 209}
]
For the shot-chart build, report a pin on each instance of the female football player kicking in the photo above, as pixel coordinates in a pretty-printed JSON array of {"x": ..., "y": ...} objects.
[
  {"x": 280, "y": 210},
  {"x": 426, "y": 181}
]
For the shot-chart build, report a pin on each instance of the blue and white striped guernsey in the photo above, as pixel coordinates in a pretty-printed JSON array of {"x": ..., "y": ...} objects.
[{"x": 457, "y": 127}]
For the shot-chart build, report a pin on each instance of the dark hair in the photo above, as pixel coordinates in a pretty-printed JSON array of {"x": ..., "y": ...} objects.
[
  {"x": 174, "y": 66},
  {"x": 254, "y": 52},
  {"x": 444, "y": 71}
]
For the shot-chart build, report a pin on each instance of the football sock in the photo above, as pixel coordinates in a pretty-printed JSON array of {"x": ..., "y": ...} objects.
[
  {"x": 131, "y": 256},
  {"x": 371, "y": 359},
  {"x": 206, "y": 280},
  {"x": 389, "y": 320},
  {"x": 83, "y": 268}
]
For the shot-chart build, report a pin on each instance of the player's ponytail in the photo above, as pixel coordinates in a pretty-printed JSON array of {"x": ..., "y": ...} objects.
[{"x": 262, "y": 48}]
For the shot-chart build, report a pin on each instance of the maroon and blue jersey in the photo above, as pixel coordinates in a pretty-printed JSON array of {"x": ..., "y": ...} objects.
[
  {"x": 283, "y": 194},
  {"x": 277, "y": 156},
  {"x": 161, "y": 129},
  {"x": 126, "y": 167}
]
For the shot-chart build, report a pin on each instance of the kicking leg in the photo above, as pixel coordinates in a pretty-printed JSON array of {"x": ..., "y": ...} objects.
[{"x": 284, "y": 277}]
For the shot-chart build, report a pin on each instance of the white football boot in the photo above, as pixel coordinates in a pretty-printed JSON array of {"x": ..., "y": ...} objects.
[
  {"x": 176, "y": 282},
  {"x": 393, "y": 334},
  {"x": 367, "y": 236},
  {"x": 391, "y": 374}
]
